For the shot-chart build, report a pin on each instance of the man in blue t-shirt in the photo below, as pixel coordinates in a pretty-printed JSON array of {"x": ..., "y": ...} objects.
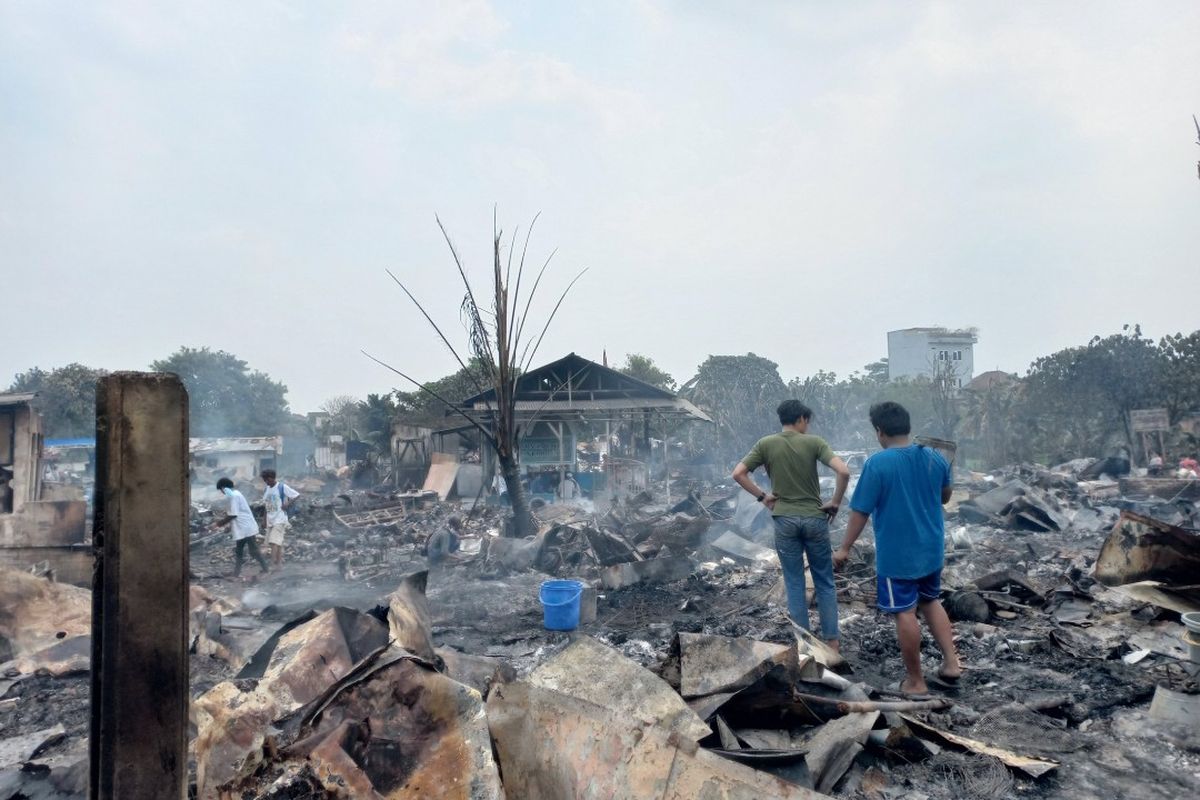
[{"x": 903, "y": 488}]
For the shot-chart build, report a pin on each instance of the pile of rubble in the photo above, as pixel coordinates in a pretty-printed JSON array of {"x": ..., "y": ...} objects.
[{"x": 379, "y": 665}]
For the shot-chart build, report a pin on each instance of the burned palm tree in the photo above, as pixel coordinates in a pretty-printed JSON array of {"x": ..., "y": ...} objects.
[{"x": 503, "y": 348}]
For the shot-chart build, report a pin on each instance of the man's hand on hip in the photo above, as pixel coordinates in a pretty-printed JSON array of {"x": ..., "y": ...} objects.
[
  {"x": 831, "y": 509},
  {"x": 770, "y": 500}
]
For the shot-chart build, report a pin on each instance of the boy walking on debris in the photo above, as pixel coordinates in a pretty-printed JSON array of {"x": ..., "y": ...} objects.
[
  {"x": 801, "y": 519},
  {"x": 277, "y": 498},
  {"x": 244, "y": 527},
  {"x": 903, "y": 489}
]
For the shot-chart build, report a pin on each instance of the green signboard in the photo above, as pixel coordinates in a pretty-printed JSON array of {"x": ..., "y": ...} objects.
[{"x": 540, "y": 451}]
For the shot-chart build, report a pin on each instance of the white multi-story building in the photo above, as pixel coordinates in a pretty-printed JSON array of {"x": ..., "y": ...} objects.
[{"x": 932, "y": 352}]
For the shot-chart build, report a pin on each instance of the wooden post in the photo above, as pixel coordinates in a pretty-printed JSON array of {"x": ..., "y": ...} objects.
[
  {"x": 667, "y": 456},
  {"x": 140, "y": 679}
]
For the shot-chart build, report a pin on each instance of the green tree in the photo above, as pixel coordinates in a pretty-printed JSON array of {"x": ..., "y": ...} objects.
[
  {"x": 426, "y": 406},
  {"x": 645, "y": 370},
  {"x": 375, "y": 415},
  {"x": 741, "y": 394},
  {"x": 994, "y": 430},
  {"x": 1181, "y": 371},
  {"x": 1083, "y": 395},
  {"x": 66, "y": 398},
  {"x": 226, "y": 397}
]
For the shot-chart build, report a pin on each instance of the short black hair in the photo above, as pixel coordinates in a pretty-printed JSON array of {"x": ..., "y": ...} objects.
[
  {"x": 891, "y": 419},
  {"x": 790, "y": 411},
  {"x": 223, "y": 484},
  {"x": 267, "y": 473}
]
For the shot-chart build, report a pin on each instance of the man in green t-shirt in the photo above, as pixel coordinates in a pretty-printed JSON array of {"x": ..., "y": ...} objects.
[{"x": 801, "y": 519}]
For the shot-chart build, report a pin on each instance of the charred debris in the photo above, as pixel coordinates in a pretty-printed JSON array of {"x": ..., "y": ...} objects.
[{"x": 401, "y": 653}]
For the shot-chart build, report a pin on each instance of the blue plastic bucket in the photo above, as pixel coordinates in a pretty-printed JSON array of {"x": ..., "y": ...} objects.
[{"x": 560, "y": 604}]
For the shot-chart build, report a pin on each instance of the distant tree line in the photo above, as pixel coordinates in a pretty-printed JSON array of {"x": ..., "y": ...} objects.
[
  {"x": 227, "y": 398},
  {"x": 1069, "y": 404}
]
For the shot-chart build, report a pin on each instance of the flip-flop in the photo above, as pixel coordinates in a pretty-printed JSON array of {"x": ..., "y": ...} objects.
[
  {"x": 911, "y": 695},
  {"x": 942, "y": 681}
]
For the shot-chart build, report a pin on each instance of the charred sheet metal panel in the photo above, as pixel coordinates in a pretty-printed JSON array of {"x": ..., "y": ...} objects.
[
  {"x": 597, "y": 673},
  {"x": 1141, "y": 548},
  {"x": 553, "y": 746},
  {"x": 712, "y": 664},
  {"x": 402, "y": 731}
]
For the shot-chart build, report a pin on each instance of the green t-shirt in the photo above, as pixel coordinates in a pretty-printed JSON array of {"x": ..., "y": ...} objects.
[{"x": 791, "y": 461}]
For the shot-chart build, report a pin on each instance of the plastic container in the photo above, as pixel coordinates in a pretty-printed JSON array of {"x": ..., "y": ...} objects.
[
  {"x": 1192, "y": 620},
  {"x": 1192, "y": 640},
  {"x": 560, "y": 604}
]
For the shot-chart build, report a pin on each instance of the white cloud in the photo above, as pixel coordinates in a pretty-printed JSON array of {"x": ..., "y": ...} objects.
[{"x": 454, "y": 56}]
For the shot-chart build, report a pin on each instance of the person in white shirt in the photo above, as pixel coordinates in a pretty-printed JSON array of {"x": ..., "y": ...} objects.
[
  {"x": 278, "y": 499},
  {"x": 243, "y": 526},
  {"x": 568, "y": 489}
]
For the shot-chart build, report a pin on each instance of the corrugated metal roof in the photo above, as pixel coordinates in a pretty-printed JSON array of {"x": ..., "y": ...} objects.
[
  {"x": 77, "y": 442},
  {"x": 235, "y": 444},
  {"x": 674, "y": 405},
  {"x": 16, "y": 398}
]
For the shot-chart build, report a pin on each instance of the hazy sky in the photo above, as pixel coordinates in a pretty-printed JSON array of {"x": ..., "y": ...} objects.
[{"x": 793, "y": 179}]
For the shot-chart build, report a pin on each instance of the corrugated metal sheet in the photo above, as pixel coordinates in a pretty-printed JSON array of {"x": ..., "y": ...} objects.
[
  {"x": 236, "y": 444},
  {"x": 548, "y": 408},
  {"x": 16, "y": 399}
]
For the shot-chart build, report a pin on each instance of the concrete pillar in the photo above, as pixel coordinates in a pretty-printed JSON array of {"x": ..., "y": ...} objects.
[{"x": 140, "y": 590}]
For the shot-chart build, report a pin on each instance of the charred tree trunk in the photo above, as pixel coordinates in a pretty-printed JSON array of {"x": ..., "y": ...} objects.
[
  {"x": 523, "y": 521},
  {"x": 499, "y": 346}
]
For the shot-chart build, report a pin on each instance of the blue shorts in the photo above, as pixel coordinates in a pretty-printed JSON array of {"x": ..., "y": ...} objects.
[{"x": 901, "y": 594}]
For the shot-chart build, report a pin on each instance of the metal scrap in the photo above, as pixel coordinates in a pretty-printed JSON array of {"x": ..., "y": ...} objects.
[
  {"x": 595, "y": 672},
  {"x": 1141, "y": 548},
  {"x": 599, "y": 753}
]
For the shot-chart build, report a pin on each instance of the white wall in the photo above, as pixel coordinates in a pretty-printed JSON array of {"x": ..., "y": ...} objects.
[{"x": 913, "y": 353}]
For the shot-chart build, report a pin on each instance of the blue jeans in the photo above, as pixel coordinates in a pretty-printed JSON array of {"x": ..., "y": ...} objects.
[{"x": 795, "y": 537}]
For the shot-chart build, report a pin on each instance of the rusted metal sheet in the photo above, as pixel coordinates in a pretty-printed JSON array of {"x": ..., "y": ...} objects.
[
  {"x": 36, "y": 613},
  {"x": 396, "y": 729},
  {"x": 308, "y": 659},
  {"x": 233, "y": 726},
  {"x": 478, "y": 672},
  {"x": 553, "y": 746},
  {"x": 1141, "y": 548},
  {"x": 712, "y": 664},
  {"x": 595, "y": 672},
  {"x": 351, "y": 705},
  {"x": 408, "y": 616}
]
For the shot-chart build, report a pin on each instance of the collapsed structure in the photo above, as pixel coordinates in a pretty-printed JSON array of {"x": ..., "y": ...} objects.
[
  {"x": 402, "y": 652},
  {"x": 42, "y": 524}
]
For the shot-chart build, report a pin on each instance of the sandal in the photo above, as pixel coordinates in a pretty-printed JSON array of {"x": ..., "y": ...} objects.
[
  {"x": 907, "y": 695},
  {"x": 943, "y": 681}
]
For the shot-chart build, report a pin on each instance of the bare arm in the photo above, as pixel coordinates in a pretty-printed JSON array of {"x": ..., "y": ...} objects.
[
  {"x": 741, "y": 476},
  {"x": 854, "y": 529},
  {"x": 839, "y": 492},
  {"x": 946, "y": 492}
]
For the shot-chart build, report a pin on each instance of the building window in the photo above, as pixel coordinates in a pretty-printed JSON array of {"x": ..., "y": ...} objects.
[{"x": 958, "y": 355}]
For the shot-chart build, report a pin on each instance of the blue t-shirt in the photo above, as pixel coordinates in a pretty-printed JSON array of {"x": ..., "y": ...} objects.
[{"x": 901, "y": 488}]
